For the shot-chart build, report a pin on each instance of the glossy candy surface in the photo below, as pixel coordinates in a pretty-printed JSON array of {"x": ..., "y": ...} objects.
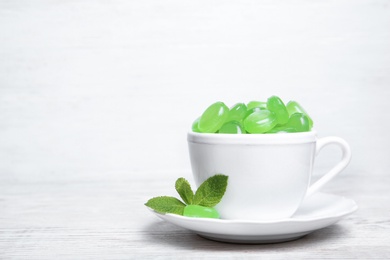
[
  {"x": 197, "y": 211},
  {"x": 232, "y": 127},
  {"x": 213, "y": 118},
  {"x": 299, "y": 122},
  {"x": 276, "y": 105},
  {"x": 195, "y": 126},
  {"x": 259, "y": 104},
  {"x": 294, "y": 107},
  {"x": 250, "y": 111},
  {"x": 237, "y": 113},
  {"x": 257, "y": 117},
  {"x": 260, "y": 122},
  {"x": 281, "y": 129}
]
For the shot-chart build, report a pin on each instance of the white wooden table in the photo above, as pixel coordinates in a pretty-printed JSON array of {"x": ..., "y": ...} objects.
[{"x": 106, "y": 219}]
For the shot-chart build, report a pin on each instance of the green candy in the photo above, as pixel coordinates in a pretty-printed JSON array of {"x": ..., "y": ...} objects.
[
  {"x": 232, "y": 127},
  {"x": 281, "y": 129},
  {"x": 252, "y": 110},
  {"x": 213, "y": 118},
  {"x": 254, "y": 118},
  {"x": 195, "y": 126},
  {"x": 237, "y": 112},
  {"x": 253, "y": 104},
  {"x": 299, "y": 122},
  {"x": 276, "y": 105},
  {"x": 197, "y": 211},
  {"x": 294, "y": 107},
  {"x": 260, "y": 122}
]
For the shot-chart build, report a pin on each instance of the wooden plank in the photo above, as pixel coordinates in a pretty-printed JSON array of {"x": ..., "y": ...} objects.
[{"x": 108, "y": 220}]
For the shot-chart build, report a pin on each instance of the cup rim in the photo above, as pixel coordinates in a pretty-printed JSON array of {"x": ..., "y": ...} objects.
[{"x": 252, "y": 139}]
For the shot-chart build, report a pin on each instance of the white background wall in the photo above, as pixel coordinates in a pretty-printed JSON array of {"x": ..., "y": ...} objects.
[{"x": 110, "y": 88}]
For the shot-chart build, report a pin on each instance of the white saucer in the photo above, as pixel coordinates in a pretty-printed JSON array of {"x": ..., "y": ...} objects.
[{"x": 318, "y": 211}]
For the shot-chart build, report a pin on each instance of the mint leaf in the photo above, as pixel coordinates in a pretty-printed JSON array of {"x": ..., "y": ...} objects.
[
  {"x": 211, "y": 191},
  {"x": 184, "y": 189},
  {"x": 166, "y": 204}
]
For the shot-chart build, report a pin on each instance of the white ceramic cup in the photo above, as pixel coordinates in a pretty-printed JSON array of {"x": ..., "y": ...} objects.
[{"x": 269, "y": 174}]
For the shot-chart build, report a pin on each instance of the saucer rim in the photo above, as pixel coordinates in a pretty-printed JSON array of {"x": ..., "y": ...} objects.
[{"x": 292, "y": 219}]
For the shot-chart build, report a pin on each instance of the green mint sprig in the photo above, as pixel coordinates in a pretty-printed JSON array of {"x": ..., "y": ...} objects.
[
  {"x": 209, "y": 194},
  {"x": 183, "y": 187}
]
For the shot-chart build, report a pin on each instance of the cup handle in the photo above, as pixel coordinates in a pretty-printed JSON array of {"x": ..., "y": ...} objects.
[{"x": 345, "y": 159}]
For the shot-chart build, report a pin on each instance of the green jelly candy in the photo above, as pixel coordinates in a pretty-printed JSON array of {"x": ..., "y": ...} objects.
[
  {"x": 276, "y": 105},
  {"x": 294, "y": 107},
  {"x": 281, "y": 129},
  {"x": 299, "y": 122},
  {"x": 253, "y": 104},
  {"x": 252, "y": 110},
  {"x": 197, "y": 211},
  {"x": 237, "y": 112},
  {"x": 213, "y": 118},
  {"x": 232, "y": 127},
  {"x": 260, "y": 122},
  {"x": 195, "y": 125}
]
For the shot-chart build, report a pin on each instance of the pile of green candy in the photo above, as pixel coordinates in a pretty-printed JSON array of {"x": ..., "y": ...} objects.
[{"x": 256, "y": 117}]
